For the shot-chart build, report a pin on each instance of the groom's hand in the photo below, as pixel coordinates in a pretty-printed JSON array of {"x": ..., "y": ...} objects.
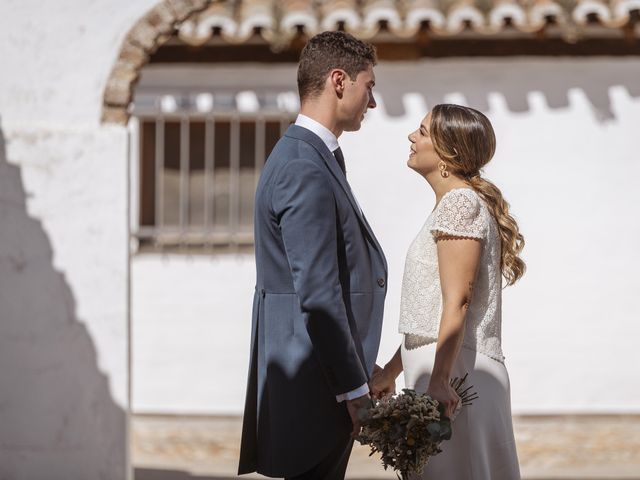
[{"x": 358, "y": 409}]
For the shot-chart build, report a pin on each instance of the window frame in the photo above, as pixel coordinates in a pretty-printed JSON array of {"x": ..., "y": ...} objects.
[{"x": 185, "y": 237}]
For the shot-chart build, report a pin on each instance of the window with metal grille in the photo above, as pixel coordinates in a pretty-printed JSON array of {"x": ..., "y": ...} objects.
[{"x": 198, "y": 174}]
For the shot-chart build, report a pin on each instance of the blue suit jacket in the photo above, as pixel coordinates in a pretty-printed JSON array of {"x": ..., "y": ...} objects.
[{"x": 317, "y": 309}]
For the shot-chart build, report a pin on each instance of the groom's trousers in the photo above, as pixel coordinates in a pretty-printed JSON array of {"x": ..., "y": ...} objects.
[{"x": 331, "y": 467}]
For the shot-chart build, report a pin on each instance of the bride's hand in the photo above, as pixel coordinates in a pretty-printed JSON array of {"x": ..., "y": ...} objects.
[
  {"x": 444, "y": 393},
  {"x": 382, "y": 383}
]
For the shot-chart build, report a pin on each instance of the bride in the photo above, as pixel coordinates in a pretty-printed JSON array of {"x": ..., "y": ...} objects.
[{"x": 450, "y": 311}]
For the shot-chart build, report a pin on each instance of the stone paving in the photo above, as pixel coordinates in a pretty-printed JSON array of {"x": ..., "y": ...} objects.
[{"x": 549, "y": 447}]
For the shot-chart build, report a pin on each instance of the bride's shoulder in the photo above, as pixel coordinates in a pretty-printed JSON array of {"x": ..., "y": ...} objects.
[
  {"x": 464, "y": 200},
  {"x": 460, "y": 213}
]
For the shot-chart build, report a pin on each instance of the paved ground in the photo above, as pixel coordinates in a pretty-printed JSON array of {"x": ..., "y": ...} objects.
[{"x": 553, "y": 447}]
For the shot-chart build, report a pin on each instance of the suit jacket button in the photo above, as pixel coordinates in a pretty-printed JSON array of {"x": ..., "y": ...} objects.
[{"x": 381, "y": 282}]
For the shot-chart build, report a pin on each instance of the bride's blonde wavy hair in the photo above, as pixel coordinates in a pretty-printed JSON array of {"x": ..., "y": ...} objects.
[{"x": 464, "y": 139}]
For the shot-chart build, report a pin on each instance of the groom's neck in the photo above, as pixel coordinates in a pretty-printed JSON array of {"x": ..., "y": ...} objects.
[{"x": 322, "y": 113}]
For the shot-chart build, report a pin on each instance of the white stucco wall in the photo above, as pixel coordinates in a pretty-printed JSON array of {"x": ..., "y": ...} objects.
[
  {"x": 63, "y": 297},
  {"x": 63, "y": 242},
  {"x": 568, "y": 163}
]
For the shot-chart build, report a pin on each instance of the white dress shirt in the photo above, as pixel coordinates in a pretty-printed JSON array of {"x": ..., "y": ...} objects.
[
  {"x": 331, "y": 142},
  {"x": 323, "y": 132}
]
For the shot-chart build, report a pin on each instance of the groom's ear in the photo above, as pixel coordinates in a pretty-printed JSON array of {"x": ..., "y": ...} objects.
[{"x": 338, "y": 78}]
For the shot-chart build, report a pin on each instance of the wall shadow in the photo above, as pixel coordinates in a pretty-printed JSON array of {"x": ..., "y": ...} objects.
[
  {"x": 167, "y": 474},
  {"x": 514, "y": 79},
  {"x": 58, "y": 419},
  {"x": 555, "y": 80}
]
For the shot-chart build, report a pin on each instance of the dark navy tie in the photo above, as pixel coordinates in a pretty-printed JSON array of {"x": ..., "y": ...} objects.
[{"x": 340, "y": 158}]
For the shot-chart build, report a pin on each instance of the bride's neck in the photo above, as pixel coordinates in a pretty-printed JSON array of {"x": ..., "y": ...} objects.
[{"x": 441, "y": 185}]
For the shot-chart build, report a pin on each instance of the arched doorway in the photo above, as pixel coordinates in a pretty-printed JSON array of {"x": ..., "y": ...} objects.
[{"x": 144, "y": 38}]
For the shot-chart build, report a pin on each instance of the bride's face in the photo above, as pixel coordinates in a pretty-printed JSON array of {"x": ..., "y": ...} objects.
[{"x": 422, "y": 156}]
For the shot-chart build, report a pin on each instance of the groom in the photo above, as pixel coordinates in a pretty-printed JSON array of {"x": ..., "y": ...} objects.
[{"x": 321, "y": 279}]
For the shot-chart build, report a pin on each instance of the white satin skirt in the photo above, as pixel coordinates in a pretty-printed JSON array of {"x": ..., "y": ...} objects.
[{"x": 482, "y": 446}]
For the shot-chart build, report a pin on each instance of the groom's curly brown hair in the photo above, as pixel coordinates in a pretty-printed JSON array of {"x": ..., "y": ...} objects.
[{"x": 329, "y": 50}]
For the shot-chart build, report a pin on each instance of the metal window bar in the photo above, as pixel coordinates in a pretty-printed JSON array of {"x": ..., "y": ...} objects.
[
  {"x": 161, "y": 234},
  {"x": 133, "y": 139},
  {"x": 159, "y": 174},
  {"x": 185, "y": 176},
  {"x": 209, "y": 175},
  {"x": 234, "y": 180},
  {"x": 260, "y": 143}
]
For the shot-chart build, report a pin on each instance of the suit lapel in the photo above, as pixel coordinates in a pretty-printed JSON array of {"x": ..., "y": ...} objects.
[{"x": 308, "y": 136}]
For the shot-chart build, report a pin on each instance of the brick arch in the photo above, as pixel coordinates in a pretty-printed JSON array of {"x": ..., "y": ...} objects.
[{"x": 144, "y": 38}]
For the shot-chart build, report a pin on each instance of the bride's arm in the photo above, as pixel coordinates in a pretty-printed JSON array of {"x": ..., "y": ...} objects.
[
  {"x": 384, "y": 380},
  {"x": 458, "y": 260},
  {"x": 394, "y": 366}
]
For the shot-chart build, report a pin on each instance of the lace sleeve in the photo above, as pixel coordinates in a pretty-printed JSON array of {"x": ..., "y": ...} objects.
[{"x": 459, "y": 214}]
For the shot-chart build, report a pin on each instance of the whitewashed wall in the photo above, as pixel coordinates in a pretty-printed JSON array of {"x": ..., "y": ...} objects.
[
  {"x": 63, "y": 242},
  {"x": 567, "y": 161}
]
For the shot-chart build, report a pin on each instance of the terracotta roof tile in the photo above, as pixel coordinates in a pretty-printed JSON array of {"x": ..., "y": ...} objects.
[{"x": 280, "y": 21}]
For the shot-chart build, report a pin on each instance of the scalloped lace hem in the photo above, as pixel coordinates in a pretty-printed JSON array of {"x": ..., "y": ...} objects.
[
  {"x": 452, "y": 233},
  {"x": 413, "y": 341}
]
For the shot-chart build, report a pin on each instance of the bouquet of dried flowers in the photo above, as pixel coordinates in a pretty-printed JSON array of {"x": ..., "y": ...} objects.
[{"x": 408, "y": 428}]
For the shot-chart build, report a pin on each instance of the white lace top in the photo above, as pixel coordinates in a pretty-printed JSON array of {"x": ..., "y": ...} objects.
[{"x": 461, "y": 212}]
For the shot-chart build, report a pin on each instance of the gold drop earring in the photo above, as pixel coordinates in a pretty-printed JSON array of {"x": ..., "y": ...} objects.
[{"x": 443, "y": 169}]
